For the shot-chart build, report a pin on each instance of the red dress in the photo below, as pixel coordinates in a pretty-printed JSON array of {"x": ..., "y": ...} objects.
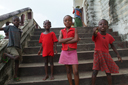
[
  {"x": 47, "y": 41},
  {"x": 102, "y": 59}
]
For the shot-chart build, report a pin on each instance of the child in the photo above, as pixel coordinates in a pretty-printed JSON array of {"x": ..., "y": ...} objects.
[
  {"x": 69, "y": 38},
  {"x": 48, "y": 39},
  {"x": 78, "y": 16},
  {"x": 102, "y": 59},
  {"x": 13, "y": 49}
]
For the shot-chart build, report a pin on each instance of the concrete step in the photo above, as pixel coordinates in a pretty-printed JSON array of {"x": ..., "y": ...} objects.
[
  {"x": 34, "y": 43},
  {"x": 85, "y": 79},
  {"x": 34, "y": 58},
  {"x": 82, "y": 55},
  {"x": 80, "y": 47},
  {"x": 36, "y": 36},
  {"x": 34, "y": 50},
  {"x": 82, "y": 36},
  {"x": 54, "y": 29},
  {"x": 79, "y": 34},
  {"x": 30, "y": 69},
  {"x": 80, "y": 30}
]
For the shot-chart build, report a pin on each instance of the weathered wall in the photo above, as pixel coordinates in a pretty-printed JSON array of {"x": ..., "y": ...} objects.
[
  {"x": 94, "y": 12},
  {"x": 115, "y": 11}
]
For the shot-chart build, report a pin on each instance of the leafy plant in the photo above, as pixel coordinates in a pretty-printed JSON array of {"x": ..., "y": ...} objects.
[{"x": 1, "y": 37}]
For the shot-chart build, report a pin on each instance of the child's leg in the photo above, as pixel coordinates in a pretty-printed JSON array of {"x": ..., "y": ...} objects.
[
  {"x": 11, "y": 56},
  {"x": 52, "y": 66},
  {"x": 16, "y": 70},
  {"x": 68, "y": 69},
  {"x": 12, "y": 53},
  {"x": 109, "y": 78},
  {"x": 76, "y": 74},
  {"x": 46, "y": 67},
  {"x": 94, "y": 74}
]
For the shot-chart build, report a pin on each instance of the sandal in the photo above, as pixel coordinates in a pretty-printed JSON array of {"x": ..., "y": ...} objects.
[
  {"x": 5, "y": 60},
  {"x": 17, "y": 79}
]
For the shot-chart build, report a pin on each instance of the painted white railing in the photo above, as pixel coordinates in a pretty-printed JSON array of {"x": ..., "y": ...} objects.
[
  {"x": 28, "y": 24},
  {"x": 28, "y": 20}
]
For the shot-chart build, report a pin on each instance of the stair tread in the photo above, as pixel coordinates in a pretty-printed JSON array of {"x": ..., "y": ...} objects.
[
  {"x": 61, "y": 45},
  {"x": 57, "y": 64},
  {"x": 62, "y": 77},
  {"x": 81, "y": 43},
  {"x": 80, "y": 38},
  {"x": 78, "y": 33},
  {"x": 77, "y": 52}
]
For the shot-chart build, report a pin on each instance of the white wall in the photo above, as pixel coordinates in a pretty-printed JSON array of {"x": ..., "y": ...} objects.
[
  {"x": 78, "y": 3},
  {"x": 116, "y": 13}
]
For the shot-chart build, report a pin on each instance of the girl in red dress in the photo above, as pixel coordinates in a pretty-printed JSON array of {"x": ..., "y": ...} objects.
[
  {"x": 69, "y": 38},
  {"x": 48, "y": 40},
  {"x": 102, "y": 59}
]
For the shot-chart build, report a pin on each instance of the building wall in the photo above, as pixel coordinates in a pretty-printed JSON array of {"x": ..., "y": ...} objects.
[
  {"x": 115, "y": 11},
  {"x": 77, "y": 3}
]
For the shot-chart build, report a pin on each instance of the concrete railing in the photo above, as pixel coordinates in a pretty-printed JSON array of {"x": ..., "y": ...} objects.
[{"x": 28, "y": 24}]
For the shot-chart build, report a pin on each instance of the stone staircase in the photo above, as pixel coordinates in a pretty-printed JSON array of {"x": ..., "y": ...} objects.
[{"x": 31, "y": 70}]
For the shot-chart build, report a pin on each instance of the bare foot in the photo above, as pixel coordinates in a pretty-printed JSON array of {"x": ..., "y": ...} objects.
[
  {"x": 46, "y": 77},
  {"x": 52, "y": 78}
]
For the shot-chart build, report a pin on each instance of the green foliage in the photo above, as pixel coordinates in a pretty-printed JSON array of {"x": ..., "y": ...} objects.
[{"x": 1, "y": 37}]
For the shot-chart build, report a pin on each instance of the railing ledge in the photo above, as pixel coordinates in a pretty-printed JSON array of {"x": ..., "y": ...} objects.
[
  {"x": 6, "y": 16},
  {"x": 3, "y": 43}
]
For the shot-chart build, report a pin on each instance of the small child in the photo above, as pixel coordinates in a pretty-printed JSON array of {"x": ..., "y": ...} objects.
[
  {"x": 102, "y": 59},
  {"x": 13, "y": 49},
  {"x": 78, "y": 15},
  {"x": 69, "y": 38},
  {"x": 48, "y": 39}
]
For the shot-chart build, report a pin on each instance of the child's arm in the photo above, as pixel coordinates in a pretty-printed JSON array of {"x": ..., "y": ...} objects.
[
  {"x": 55, "y": 44},
  {"x": 40, "y": 50},
  {"x": 114, "y": 49},
  {"x": 79, "y": 39},
  {"x": 61, "y": 40},
  {"x": 1, "y": 28},
  {"x": 75, "y": 39},
  {"x": 95, "y": 31}
]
